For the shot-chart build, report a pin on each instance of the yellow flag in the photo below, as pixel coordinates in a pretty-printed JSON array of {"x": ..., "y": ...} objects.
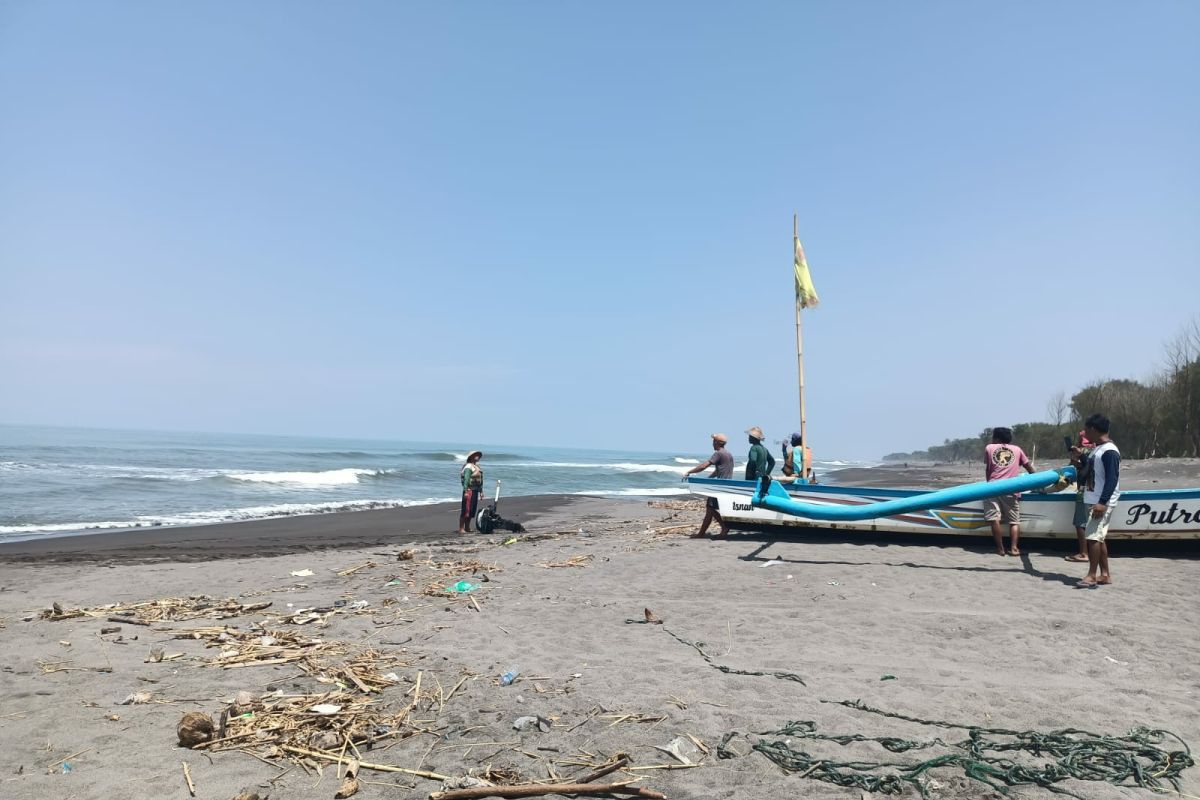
[{"x": 806, "y": 293}]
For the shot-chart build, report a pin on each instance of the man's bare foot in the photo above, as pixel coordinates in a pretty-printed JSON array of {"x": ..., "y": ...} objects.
[
  {"x": 1104, "y": 580},
  {"x": 1077, "y": 558},
  {"x": 1014, "y": 552},
  {"x": 698, "y": 535},
  {"x": 1087, "y": 583},
  {"x": 1000, "y": 551},
  {"x": 721, "y": 535}
]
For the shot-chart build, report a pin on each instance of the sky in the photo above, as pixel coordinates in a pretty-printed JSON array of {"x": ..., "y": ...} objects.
[{"x": 569, "y": 224}]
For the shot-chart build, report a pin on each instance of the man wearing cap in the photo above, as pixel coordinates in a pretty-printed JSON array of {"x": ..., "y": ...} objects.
[
  {"x": 760, "y": 461},
  {"x": 722, "y": 463},
  {"x": 471, "y": 477}
]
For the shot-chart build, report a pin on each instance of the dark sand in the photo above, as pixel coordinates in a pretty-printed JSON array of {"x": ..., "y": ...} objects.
[{"x": 965, "y": 635}]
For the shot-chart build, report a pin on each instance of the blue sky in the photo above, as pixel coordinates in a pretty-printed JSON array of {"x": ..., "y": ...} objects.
[{"x": 569, "y": 224}]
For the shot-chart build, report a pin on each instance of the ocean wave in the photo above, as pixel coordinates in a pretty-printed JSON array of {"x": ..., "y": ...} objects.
[
  {"x": 679, "y": 460},
  {"x": 619, "y": 467},
  {"x": 461, "y": 458},
  {"x": 329, "y": 477},
  {"x": 222, "y": 515},
  {"x": 633, "y": 492}
]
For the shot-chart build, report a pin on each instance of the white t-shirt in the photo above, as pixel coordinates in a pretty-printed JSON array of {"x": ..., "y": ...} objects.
[{"x": 1095, "y": 487}]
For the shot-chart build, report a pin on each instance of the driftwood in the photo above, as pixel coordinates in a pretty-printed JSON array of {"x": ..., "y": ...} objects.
[
  {"x": 611, "y": 768},
  {"x": 128, "y": 620},
  {"x": 187, "y": 776},
  {"x": 433, "y": 776},
  {"x": 538, "y": 789}
]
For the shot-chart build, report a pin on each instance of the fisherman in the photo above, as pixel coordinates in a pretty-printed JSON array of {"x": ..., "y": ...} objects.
[
  {"x": 471, "y": 477},
  {"x": 804, "y": 475},
  {"x": 1103, "y": 489},
  {"x": 722, "y": 463},
  {"x": 1079, "y": 457},
  {"x": 1003, "y": 459},
  {"x": 760, "y": 461}
]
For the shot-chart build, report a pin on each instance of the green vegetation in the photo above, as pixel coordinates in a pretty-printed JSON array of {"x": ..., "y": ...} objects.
[{"x": 1158, "y": 418}]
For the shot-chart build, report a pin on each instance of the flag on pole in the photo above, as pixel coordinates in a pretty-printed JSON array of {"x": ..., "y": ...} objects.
[{"x": 806, "y": 293}]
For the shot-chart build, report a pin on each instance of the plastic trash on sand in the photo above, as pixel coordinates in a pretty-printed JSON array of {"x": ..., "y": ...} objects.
[
  {"x": 301, "y": 573},
  {"x": 462, "y": 587},
  {"x": 532, "y": 723},
  {"x": 326, "y": 709}
]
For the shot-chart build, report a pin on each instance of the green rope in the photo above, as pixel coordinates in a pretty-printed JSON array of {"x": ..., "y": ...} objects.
[
  {"x": 699, "y": 648},
  {"x": 1131, "y": 760}
]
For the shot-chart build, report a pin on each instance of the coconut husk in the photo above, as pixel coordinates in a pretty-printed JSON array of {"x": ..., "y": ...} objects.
[{"x": 195, "y": 728}]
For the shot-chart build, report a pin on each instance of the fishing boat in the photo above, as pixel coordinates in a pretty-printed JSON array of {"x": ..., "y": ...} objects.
[
  {"x": 1167, "y": 514},
  {"x": 1163, "y": 514}
]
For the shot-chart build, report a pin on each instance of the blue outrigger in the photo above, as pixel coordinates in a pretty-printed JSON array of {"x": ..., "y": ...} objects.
[{"x": 1150, "y": 515}]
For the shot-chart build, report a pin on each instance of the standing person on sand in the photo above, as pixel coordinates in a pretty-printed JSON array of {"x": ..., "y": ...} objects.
[
  {"x": 760, "y": 461},
  {"x": 1080, "y": 458},
  {"x": 722, "y": 463},
  {"x": 1103, "y": 489},
  {"x": 1003, "y": 459},
  {"x": 471, "y": 478}
]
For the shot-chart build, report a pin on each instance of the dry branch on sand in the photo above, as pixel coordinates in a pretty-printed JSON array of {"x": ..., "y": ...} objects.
[
  {"x": 164, "y": 609},
  {"x": 573, "y": 561}
]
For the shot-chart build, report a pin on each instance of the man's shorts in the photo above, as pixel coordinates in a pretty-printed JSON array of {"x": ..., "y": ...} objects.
[
  {"x": 1082, "y": 512},
  {"x": 1097, "y": 527},
  {"x": 1006, "y": 509}
]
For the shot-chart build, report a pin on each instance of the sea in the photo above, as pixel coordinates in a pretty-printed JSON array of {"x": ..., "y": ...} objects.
[{"x": 56, "y": 481}]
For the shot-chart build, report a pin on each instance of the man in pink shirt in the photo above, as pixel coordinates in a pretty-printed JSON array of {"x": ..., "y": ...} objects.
[{"x": 1003, "y": 459}]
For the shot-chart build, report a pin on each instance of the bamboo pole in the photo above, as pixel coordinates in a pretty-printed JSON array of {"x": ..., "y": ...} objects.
[{"x": 799, "y": 357}]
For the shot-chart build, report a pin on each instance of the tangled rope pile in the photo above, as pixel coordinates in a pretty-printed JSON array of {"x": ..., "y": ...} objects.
[{"x": 1135, "y": 759}]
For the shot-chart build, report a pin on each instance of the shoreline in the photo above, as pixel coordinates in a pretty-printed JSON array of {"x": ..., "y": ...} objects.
[{"x": 275, "y": 536}]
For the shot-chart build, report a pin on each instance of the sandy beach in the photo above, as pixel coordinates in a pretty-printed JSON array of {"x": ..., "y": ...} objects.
[{"x": 931, "y": 631}]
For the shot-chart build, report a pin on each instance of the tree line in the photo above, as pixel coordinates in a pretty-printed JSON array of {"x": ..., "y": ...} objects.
[{"x": 1154, "y": 419}]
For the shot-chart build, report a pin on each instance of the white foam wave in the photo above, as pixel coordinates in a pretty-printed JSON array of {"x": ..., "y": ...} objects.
[
  {"x": 679, "y": 460},
  {"x": 633, "y": 492},
  {"x": 329, "y": 477},
  {"x": 223, "y": 515},
  {"x": 620, "y": 467}
]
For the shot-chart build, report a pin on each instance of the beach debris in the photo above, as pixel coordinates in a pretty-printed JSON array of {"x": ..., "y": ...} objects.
[
  {"x": 540, "y": 789},
  {"x": 509, "y": 675},
  {"x": 349, "y": 786},
  {"x": 137, "y": 699},
  {"x": 113, "y": 629},
  {"x": 464, "y": 782},
  {"x": 650, "y": 618},
  {"x": 66, "y": 768},
  {"x": 683, "y": 750},
  {"x": 406, "y": 555},
  {"x": 532, "y": 723},
  {"x": 573, "y": 561},
  {"x": 888, "y": 678},
  {"x": 770, "y": 563},
  {"x": 301, "y": 573},
  {"x": 326, "y": 708},
  {"x": 167, "y": 608},
  {"x": 833, "y": 583},
  {"x": 462, "y": 587},
  {"x": 1113, "y": 660},
  {"x": 187, "y": 776},
  {"x": 156, "y": 654},
  {"x": 348, "y": 571},
  {"x": 245, "y": 794},
  {"x": 64, "y": 643},
  {"x": 194, "y": 728}
]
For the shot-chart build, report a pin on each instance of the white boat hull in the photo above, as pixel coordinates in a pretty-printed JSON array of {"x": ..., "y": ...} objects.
[{"x": 1170, "y": 514}]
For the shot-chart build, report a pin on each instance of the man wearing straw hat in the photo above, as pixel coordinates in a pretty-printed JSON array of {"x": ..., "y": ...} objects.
[
  {"x": 471, "y": 477},
  {"x": 722, "y": 463},
  {"x": 760, "y": 461}
]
